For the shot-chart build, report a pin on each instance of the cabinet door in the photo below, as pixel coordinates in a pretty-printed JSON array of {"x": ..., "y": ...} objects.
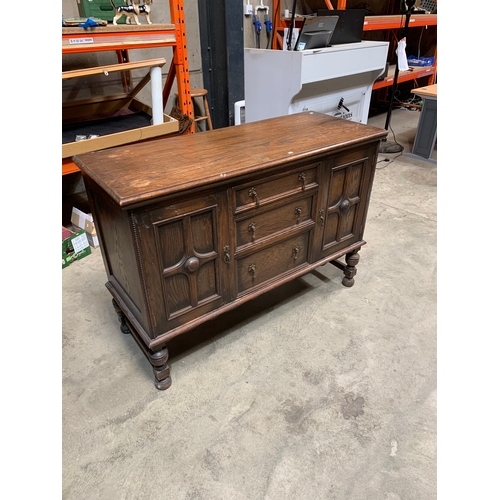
[
  {"x": 345, "y": 190},
  {"x": 182, "y": 253}
]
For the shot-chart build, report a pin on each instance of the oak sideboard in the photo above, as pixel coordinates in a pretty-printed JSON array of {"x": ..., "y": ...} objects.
[{"x": 195, "y": 225}]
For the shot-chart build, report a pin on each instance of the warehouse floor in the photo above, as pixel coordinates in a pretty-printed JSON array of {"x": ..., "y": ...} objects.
[{"x": 313, "y": 391}]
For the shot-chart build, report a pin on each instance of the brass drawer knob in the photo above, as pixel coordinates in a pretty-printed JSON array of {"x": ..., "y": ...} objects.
[
  {"x": 302, "y": 178},
  {"x": 251, "y": 227},
  {"x": 295, "y": 251},
  {"x": 252, "y": 268},
  {"x": 298, "y": 211},
  {"x": 252, "y": 192}
]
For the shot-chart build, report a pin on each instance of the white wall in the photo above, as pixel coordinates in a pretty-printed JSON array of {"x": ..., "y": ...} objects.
[{"x": 249, "y": 28}]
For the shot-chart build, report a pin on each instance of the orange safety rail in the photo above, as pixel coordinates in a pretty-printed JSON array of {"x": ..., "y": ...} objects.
[{"x": 373, "y": 23}]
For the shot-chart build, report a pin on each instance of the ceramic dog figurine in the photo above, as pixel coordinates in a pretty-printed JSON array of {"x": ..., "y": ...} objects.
[{"x": 133, "y": 11}]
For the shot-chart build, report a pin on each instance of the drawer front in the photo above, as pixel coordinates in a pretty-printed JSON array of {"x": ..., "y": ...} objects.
[
  {"x": 265, "y": 224},
  {"x": 260, "y": 193},
  {"x": 272, "y": 262}
]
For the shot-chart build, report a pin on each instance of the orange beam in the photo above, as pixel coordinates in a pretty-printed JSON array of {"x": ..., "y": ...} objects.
[
  {"x": 69, "y": 167},
  {"x": 117, "y": 41},
  {"x": 394, "y": 22},
  {"x": 405, "y": 76}
]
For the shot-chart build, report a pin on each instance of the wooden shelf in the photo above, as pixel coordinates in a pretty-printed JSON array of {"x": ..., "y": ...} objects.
[
  {"x": 122, "y": 38},
  {"x": 373, "y": 23},
  {"x": 102, "y": 38}
]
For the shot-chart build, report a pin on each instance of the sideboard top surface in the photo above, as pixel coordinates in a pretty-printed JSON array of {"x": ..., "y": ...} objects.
[{"x": 137, "y": 173}]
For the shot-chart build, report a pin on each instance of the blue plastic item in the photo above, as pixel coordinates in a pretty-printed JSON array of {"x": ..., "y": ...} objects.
[{"x": 420, "y": 61}]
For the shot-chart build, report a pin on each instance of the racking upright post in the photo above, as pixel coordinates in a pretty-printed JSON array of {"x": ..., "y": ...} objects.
[
  {"x": 123, "y": 38},
  {"x": 179, "y": 66}
]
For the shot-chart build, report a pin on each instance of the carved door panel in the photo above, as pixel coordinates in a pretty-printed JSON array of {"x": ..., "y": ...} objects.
[
  {"x": 182, "y": 248},
  {"x": 343, "y": 203}
]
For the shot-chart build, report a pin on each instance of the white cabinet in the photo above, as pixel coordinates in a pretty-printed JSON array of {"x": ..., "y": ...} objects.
[{"x": 335, "y": 80}]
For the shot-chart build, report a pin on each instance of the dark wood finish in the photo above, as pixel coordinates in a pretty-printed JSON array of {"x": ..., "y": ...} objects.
[{"x": 196, "y": 225}]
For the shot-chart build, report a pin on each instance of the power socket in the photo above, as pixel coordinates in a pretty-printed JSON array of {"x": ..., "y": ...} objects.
[{"x": 248, "y": 10}]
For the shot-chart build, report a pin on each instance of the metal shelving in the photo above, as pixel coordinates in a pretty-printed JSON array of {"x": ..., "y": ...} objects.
[
  {"x": 122, "y": 38},
  {"x": 392, "y": 24}
]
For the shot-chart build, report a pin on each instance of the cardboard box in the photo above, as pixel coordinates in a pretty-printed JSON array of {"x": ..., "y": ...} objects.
[
  {"x": 102, "y": 9},
  {"x": 91, "y": 234},
  {"x": 79, "y": 218},
  {"x": 86, "y": 222},
  {"x": 89, "y": 226},
  {"x": 75, "y": 245},
  {"x": 93, "y": 240}
]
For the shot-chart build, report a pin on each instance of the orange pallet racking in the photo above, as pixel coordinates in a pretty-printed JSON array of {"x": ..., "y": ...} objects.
[
  {"x": 122, "y": 38},
  {"x": 391, "y": 24}
]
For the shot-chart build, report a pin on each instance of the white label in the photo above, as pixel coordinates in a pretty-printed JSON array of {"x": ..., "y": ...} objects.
[
  {"x": 74, "y": 41},
  {"x": 80, "y": 243}
]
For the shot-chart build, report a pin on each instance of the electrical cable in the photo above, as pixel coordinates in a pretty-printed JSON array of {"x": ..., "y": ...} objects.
[
  {"x": 269, "y": 29},
  {"x": 419, "y": 40},
  {"x": 398, "y": 146},
  {"x": 291, "y": 27},
  {"x": 258, "y": 29},
  {"x": 388, "y": 161}
]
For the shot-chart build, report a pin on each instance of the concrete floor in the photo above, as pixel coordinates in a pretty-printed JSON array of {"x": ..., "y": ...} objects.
[{"x": 313, "y": 391}]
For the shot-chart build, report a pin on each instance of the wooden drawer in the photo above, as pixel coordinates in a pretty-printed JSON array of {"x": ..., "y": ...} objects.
[
  {"x": 271, "y": 262},
  {"x": 260, "y": 193},
  {"x": 264, "y": 224}
]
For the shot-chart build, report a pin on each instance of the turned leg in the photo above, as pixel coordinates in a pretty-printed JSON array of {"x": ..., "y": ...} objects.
[
  {"x": 161, "y": 370},
  {"x": 123, "y": 324},
  {"x": 352, "y": 260},
  {"x": 158, "y": 359}
]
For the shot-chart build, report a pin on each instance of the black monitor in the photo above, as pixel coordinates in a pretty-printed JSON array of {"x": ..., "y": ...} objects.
[
  {"x": 316, "y": 32},
  {"x": 349, "y": 28}
]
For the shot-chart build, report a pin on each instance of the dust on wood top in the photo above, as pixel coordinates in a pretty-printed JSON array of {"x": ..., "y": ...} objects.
[{"x": 137, "y": 173}]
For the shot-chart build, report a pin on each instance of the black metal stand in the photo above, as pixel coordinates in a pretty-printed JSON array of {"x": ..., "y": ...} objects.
[
  {"x": 386, "y": 146},
  {"x": 290, "y": 28}
]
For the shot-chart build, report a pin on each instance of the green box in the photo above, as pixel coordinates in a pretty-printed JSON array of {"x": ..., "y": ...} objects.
[
  {"x": 100, "y": 9},
  {"x": 75, "y": 245}
]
